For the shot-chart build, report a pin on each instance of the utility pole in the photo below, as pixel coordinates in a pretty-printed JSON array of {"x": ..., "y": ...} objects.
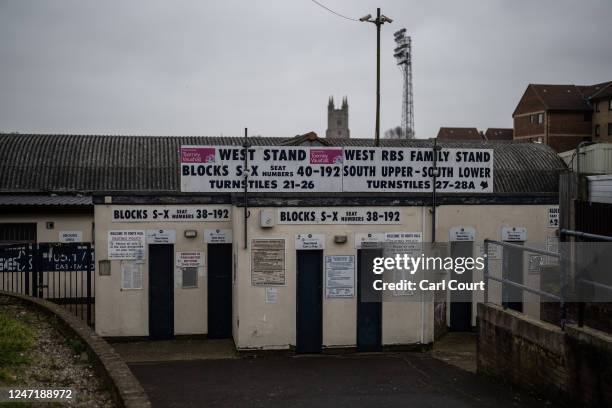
[{"x": 379, "y": 21}]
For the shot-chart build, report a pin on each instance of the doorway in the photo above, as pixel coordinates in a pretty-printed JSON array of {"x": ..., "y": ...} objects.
[
  {"x": 369, "y": 303},
  {"x": 513, "y": 267},
  {"x": 161, "y": 291},
  {"x": 461, "y": 301},
  {"x": 309, "y": 320},
  {"x": 219, "y": 291}
]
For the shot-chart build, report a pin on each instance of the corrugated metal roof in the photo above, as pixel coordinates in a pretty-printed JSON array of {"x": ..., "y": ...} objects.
[
  {"x": 82, "y": 163},
  {"x": 42, "y": 200}
]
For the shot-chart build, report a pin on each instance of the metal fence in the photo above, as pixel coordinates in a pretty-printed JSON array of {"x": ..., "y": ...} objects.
[
  {"x": 569, "y": 282},
  {"x": 59, "y": 272}
]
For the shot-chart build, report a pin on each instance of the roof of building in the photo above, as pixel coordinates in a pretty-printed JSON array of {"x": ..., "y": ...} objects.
[
  {"x": 69, "y": 164},
  {"x": 459, "y": 133},
  {"x": 597, "y": 91},
  {"x": 499, "y": 134},
  {"x": 44, "y": 200},
  {"x": 561, "y": 97}
]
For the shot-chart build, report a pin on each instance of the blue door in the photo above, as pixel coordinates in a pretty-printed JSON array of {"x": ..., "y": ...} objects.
[
  {"x": 309, "y": 319},
  {"x": 369, "y": 306}
]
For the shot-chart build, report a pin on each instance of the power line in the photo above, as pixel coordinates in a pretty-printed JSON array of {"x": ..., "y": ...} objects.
[{"x": 332, "y": 11}]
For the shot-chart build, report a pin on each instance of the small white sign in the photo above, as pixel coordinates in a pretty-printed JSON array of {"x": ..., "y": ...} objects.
[
  {"x": 376, "y": 239},
  {"x": 518, "y": 234},
  {"x": 218, "y": 236},
  {"x": 271, "y": 295},
  {"x": 553, "y": 217},
  {"x": 462, "y": 234},
  {"x": 369, "y": 239},
  {"x": 161, "y": 236},
  {"x": 190, "y": 258},
  {"x": 309, "y": 241},
  {"x": 126, "y": 244},
  {"x": 71, "y": 236}
]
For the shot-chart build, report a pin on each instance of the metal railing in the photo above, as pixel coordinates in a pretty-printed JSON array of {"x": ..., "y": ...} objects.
[{"x": 564, "y": 258}]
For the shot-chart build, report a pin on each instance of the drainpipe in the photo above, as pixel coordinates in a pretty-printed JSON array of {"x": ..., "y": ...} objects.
[{"x": 435, "y": 176}]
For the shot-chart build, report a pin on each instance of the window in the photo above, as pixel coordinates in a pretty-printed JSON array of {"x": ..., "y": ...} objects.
[
  {"x": 190, "y": 277},
  {"x": 596, "y": 130},
  {"x": 610, "y": 104},
  {"x": 596, "y": 106},
  {"x": 540, "y": 118},
  {"x": 531, "y": 118},
  {"x": 609, "y": 129}
]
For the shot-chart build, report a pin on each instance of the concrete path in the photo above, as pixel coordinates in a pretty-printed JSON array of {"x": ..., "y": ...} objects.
[
  {"x": 458, "y": 349},
  {"x": 353, "y": 381},
  {"x": 175, "y": 350}
]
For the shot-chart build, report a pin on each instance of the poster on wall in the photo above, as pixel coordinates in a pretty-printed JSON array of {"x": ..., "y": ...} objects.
[
  {"x": 126, "y": 244},
  {"x": 267, "y": 262},
  {"x": 131, "y": 273},
  {"x": 203, "y": 213},
  {"x": 335, "y": 169},
  {"x": 340, "y": 276}
]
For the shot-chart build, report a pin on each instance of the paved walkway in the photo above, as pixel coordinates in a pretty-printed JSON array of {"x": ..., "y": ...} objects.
[{"x": 352, "y": 381}]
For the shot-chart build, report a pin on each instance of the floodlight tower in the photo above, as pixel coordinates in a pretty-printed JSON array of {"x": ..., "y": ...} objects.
[{"x": 403, "y": 55}]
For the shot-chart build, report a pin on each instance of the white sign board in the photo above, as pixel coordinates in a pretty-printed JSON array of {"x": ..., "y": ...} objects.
[
  {"x": 71, "y": 236},
  {"x": 340, "y": 276},
  {"x": 376, "y": 239},
  {"x": 514, "y": 234},
  {"x": 130, "y": 213},
  {"x": 309, "y": 241},
  {"x": 218, "y": 236},
  {"x": 462, "y": 234},
  {"x": 131, "y": 275},
  {"x": 335, "y": 169},
  {"x": 126, "y": 244},
  {"x": 161, "y": 236},
  {"x": 267, "y": 262},
  {"x": 190, "y": 258},
  {"x": 553, "y": 217},
  {"x": 271, "y": 295},
  {"x": 339, "y": 215}
]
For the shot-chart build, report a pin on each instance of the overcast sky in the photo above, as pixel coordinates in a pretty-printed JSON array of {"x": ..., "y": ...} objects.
[{"x": 209, "y": 68}]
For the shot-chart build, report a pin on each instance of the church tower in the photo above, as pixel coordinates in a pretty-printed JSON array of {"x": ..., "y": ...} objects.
[{"x": 337, "y": 120}]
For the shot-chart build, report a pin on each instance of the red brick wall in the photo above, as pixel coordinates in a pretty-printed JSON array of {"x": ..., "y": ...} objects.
[
  {"x": 565, "y": 143},
  {"x": 524, "y": 127},
  {"x": 569, "y": 123}
]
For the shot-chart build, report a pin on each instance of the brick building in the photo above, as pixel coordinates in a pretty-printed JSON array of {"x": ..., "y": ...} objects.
[
  {"x": 459, "y": 133},
  {"x": 563, "y": 115}
]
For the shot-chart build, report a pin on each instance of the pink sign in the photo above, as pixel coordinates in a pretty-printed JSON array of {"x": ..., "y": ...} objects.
[
  {"x": 325, "y": 156},
  {"x": 197, "y": 155}
]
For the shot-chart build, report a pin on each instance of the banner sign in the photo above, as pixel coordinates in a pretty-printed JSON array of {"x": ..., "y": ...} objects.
[
  {"x": 335, "y": 169},
  {"x": 335, "y": 215},
  {"x": 172, "y": 213}
]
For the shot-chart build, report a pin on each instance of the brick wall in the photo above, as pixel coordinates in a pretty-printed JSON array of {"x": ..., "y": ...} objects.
[
  {"x": 569, "y": 123},
  {"x": 572, "y": 367}
]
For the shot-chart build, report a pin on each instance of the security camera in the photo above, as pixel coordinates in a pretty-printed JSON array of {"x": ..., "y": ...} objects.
[{"x": 366, "y": 18}]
